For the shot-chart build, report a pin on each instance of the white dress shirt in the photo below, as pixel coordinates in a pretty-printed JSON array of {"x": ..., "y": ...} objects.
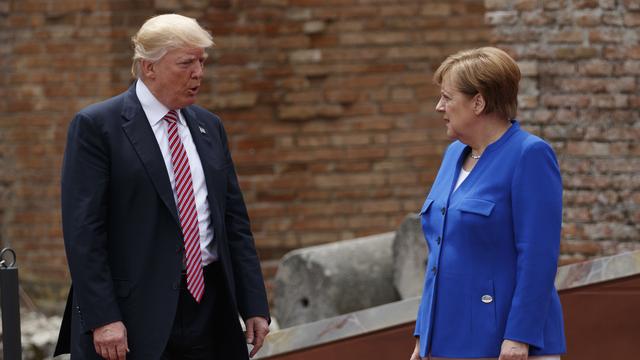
[{"x": 155, "y": 112}]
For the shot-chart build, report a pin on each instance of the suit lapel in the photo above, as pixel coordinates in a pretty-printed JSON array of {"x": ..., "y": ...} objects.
[
  {"x": 141, "y": 136},
  {"x": 202, "y": 138}
]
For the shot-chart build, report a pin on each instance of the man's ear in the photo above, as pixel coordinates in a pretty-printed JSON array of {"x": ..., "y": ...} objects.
[
  {"x": 479, "y": 104},
  {"x": 148, "y": 69}
]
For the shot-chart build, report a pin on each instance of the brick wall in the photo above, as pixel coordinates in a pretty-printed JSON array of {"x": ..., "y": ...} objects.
[
  {"x": 329, "y": 107},
  {"x": 581, "y": 60},
  {"x": 57, "y": 57}
]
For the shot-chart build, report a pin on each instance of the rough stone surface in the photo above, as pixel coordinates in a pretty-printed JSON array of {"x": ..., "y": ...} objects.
[
  {"x": 409, "y": 257},
  {"x": 39, "y": 336},
  {"x": 327, "y": 280}
]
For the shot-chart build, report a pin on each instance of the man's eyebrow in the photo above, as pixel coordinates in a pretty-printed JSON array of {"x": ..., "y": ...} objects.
[{"x": 192, "y": 57}]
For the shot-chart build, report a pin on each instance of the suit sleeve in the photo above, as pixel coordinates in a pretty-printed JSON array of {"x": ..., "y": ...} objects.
[
  {"x": 249, "y": 283},
  {"x": 537, "y": 219},
  {"x": 85, "y": 184}
]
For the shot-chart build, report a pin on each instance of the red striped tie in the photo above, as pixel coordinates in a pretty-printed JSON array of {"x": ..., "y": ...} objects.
[{"x": 186, "y": 208}]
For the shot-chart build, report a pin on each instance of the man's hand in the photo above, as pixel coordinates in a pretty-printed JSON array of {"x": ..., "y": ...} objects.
[
  {"x": 514, "y": 350},
  {"x": 257, "y": 329},
  {"x": 110, "y": 341}
]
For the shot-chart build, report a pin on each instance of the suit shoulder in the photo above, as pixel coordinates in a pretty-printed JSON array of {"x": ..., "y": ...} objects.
[
  {"x": 533, "y": 147},
  {"x": 204, "y": 114},
  {"x": 105, "y": 107},
  {"x": 531, "y": 142}
]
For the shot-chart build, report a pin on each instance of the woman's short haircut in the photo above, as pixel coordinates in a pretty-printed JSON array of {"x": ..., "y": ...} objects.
[
  {"x": 488, "y": 71},
  {"x": 162, "y": 33}
]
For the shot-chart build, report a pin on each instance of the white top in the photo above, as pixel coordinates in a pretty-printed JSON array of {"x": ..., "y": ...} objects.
[
  {"x": 155, "y": 112},
  {"x": 463, "y": 175}
]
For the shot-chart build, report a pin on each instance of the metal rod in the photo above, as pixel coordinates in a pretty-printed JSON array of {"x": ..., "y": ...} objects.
[{"x": 10, "y": 306}]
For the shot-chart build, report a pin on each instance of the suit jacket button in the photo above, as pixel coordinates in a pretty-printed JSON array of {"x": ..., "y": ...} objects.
[
  {"x": 443, "y": 210},
  {"x": 487, "y": 299},
  {"x": 434, "y": 270},
  {"x": 439, "y": 240}
]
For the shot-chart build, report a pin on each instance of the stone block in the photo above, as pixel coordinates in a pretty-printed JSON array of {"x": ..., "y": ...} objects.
[
  {"x": 409, "y": 257},
  {"x": 322, "y": 281}
]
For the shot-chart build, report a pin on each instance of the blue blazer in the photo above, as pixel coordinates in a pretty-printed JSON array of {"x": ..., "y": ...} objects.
[{"x": 494, "y": 245}]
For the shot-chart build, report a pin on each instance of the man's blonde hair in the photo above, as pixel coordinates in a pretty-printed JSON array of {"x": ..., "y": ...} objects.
[
  {"x": 488, "y": 71},
  {"x": 162, "y": 33}
]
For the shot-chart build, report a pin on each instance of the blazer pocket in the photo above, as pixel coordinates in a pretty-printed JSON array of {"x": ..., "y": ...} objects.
[
  {"x": 477, "y": 206},
  {"x": 122, "y": 288},
  {"x": 483, "y": 308},
  {"x": 425, "y": 206}
]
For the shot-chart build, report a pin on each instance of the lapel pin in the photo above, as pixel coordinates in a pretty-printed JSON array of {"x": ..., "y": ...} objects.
[{"x": 202, "y": 130}]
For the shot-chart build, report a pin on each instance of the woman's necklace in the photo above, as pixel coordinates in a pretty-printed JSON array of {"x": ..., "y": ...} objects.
[{"x": 475, "y": 157}]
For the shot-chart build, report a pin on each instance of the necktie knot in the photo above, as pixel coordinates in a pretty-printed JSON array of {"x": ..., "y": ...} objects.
[{"x": 171, "y": 117}]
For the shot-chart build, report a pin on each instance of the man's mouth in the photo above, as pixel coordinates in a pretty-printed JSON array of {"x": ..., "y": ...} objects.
[{"x": 194, "y": 90}]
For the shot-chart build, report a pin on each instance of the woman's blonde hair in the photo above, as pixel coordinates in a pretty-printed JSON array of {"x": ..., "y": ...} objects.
[
  {"x": 162, "y": 33},
  {"x": 488, "y": 71}
]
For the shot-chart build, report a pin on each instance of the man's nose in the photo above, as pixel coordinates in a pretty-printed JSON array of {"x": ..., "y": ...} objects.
[{"x": 199, "y": 71}]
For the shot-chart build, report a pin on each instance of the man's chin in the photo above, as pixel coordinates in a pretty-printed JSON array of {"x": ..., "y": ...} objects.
[{"x": 186, "y": 101}]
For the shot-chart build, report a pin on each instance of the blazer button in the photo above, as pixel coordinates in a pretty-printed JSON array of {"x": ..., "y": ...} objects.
[
  {"x": 487, "y": 299},
  {"x": 434, "y": 270},
  {"x": 443, "y": 210},
  {"x": 438, "y": 240}
]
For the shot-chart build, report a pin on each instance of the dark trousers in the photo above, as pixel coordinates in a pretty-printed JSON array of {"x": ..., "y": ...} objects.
[{"x": 193, "y": 333}]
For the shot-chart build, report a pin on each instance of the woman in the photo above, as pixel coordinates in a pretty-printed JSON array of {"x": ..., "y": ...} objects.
[{"x": 492, "y": 223}]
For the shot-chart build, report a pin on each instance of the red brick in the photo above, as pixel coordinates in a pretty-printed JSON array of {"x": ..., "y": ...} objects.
[
  {"x": 632, "y": 19},
  {"x": 632, "y": 4},
  {"x": 501, "y": 17},
  {"x": 537, "y": 18},
  {"x": 566, "y": 36},
  {"x": 554, "y": 4},
  {"x": 606, "y": 36},
  {"x": 436, "y": 9},
  {"x": 576, "y": 53}
]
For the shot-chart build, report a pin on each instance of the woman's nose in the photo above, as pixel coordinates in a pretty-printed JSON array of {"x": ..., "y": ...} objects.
[{"x": 440, "y": 105}]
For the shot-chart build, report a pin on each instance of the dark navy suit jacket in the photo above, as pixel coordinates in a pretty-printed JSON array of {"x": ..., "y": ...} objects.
[
  {"x": 494, "y": 245},
  {"x": 122, "y": 235}
]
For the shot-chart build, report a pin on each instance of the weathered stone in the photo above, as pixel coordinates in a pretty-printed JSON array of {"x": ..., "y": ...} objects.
[
  {"x": 328, "y": 280},
  {"x": 409, "y": 257}
]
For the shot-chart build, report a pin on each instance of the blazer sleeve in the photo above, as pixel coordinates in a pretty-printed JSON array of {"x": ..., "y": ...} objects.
[
  {"x": 84, "y": 190},
  {"x": 249, "y": 283},
  {"x": 537, "y": 220}
]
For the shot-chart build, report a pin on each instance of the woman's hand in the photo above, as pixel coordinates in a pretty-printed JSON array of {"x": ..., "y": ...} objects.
[
  {"x": 416, "y": 351},
  {"x": 513, "y": 350}
]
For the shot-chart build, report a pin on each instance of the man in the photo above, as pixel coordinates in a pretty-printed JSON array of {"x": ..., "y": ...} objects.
[{"x": 157, "y": 235}]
